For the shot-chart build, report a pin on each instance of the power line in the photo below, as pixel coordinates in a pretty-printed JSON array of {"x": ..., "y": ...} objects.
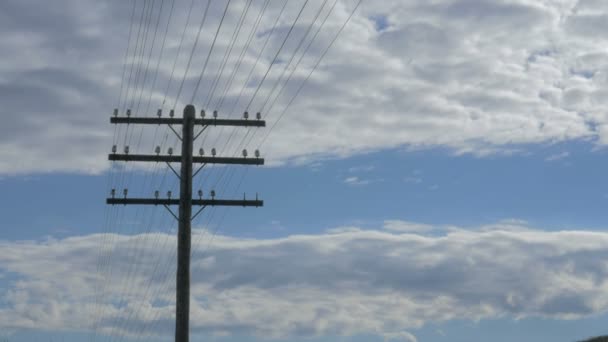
[
  {"x": 111, "y": 176},
  {"x": 311, "y": 71},
  {"x": 198, "y": 34},
  {"x": 226, "y": 181},
  {"x": 186, "y": 200},
  {"x": 242, "y": 54},
  {"x": 227, "y": 54},
  {"x": 276, "y": 55},
  {"x": 198, "y": 83}
]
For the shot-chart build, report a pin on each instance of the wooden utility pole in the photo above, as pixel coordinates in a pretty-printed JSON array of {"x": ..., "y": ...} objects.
[
  {"x": 182, "y": 299},
  {"x": 185, "y": 201}
]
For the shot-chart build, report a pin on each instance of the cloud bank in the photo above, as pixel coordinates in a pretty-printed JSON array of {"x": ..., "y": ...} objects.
[
  {"x": 476, "y": 76},
  {"x": 344, "y": 282}
]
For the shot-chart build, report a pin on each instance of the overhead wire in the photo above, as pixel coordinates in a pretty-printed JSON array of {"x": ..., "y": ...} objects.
[
  {"x": 111, "y": 222},
  {"x": 272, "y": 105},
  {"x": 242, "y": 55},
  {"x": 353, "y": 11},
  {"x": 137, "y": 250},
  {"x": 224, "y": 170},
  {"x": 108, "y": 215},
  {"x": 200, "y": 28},
  {"x": 198, "y": 83},
  {"x": 252, "y": 69},
  {"x": 303, "y": 83},
  {"x": 149, "y": 229},
  {"x": 150, "y": 175},
  {"x": 227, "y": 54},
  {"x": 198, "y": 34},
  {"x": 217, "y": 32},
  {"x": 279, "y": 79},
  {"x": 141, "y": 57},
  {"x": 272, "y": 63},
  {"x": 293, "y": 70},
  {"x": 316, "y": 65},
  {"x": 232, "y": 170}
]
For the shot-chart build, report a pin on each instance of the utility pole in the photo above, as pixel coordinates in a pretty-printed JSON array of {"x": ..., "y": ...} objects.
[{"x": 185, "y": 201}]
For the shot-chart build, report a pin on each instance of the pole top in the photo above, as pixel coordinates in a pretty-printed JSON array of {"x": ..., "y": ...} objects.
[{"x": 189, "y": 111}]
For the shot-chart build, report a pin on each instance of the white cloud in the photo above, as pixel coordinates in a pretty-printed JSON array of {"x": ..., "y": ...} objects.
[
  {"x": 400, "y": 226},
  {"x": 558, "y": 156},
  {"x": 362, "y": 168},
  {"x": 477, "y": 76},
  {"x": 355, "y": 180},
  {"x": 343, "y": 283}
]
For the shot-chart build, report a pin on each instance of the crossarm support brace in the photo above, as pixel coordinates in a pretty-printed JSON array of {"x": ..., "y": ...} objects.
[
  {"x": 177, "y": 134},
  {"x": 199, "y": 133},
  {"x": 199, "y": 170},
  {"x": 172, "y": 169},
  {"x": 198, "y": 212},
  {"x": 171, "y": 212}
]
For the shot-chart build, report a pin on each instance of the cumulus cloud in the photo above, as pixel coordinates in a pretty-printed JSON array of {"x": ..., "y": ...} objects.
[
  {"x": 477, "y": 76},
  {"x": 347, "y": 282}
]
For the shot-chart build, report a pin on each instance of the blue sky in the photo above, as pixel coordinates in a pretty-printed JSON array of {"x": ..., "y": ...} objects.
[
  {"x": 396, "y": 184},
  {"x": 438, "y": 175},
  {"x": 562, "y": 194}
]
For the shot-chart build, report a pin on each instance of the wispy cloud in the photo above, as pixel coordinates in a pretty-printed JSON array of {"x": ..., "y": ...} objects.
[
  {"x": 558, "y": 156},
  {"x": 362, "y": 168},
  {"x": 355, "y": 180}
]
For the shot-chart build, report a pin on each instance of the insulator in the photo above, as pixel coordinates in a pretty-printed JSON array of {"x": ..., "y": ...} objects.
[
  {"x": 114, "y": 149},
  {"x": 212, "y": 193},
  {"x": 172, "y": 113},
  {"x": 258, "y": 115},
  {"x": 157, "y": 150},
  {"x": 170, "y": 151},
  {"x": 257, "y": 153},
  {"x": 215, "y": 114},
  {"x": 244, "y": 198},
  {"x": 202, "y": 113},
  {"x": 245, "y": 153},
  {"x": 169, "y": 194},
  {"x": 246, "y": 115},
  {"x": 213, "y": 152},
  {"x": 201, "y": 152},
  {"x": 200, "y": 193},
  {"x": 159, "y": 113},
  {"x": 125, "y": 192},
  {"x": 127, "y": 149},
  {"x": 156, "y": 194},
  {"x": 128, "y": 112},
  {"x": 115, "y": 111},
  {"x": 113, "y": 192}
]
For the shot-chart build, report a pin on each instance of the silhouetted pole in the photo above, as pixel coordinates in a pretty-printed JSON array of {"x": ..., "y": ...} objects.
[
  {"x": 185, "y": 202},
  {"x": 182, "y": 299}
]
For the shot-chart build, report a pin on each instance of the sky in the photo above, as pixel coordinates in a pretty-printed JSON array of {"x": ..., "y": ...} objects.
[{"x": 435, "y": 170}]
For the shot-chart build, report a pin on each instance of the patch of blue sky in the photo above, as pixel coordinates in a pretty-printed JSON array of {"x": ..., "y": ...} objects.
[
  {"x": 381, "y": 22},
  {"x": 509, "y": 329},
  {"x": 500, "y": 330},
  {"x": 558, "y": 186}
]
